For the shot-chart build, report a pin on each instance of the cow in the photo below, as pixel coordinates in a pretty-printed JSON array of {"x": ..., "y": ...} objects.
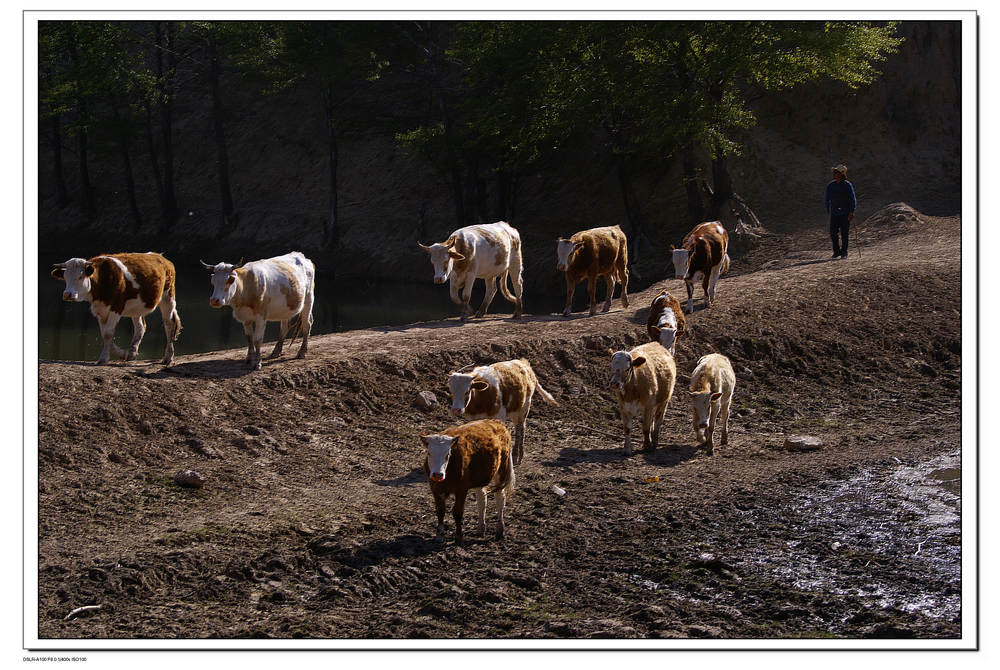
[
  {"x": 486, "y": 251},
  {"x": 644, "y": 380},
  {"x": 127, "y": 284},
  {"x": 665, "y": 323},
  {"x": 476, "y": 455},
  {"x": 501, "y": 391},
  {"x": 703, "y": 255},
  {"x": 272, "y": 289},
  {"x": 589, "y": 254},
  {"x": 711, "y": 391}
]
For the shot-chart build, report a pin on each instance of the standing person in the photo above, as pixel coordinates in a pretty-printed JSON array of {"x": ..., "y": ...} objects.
[{"x": 840, "y": 203}]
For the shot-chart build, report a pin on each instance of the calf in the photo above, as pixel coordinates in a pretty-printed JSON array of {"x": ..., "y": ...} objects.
[
  {"x": 711, "y": 391},
  {"x": 488, "y": 251},
  {"x": 589, "y": 254},
  {"x": 644, "y": 379},
  {"x": 499, "y": 391},
  {"x": 118, "y": 285},
  {"x": 665, "y": 323},
  {"x": 273, "y": 289},
  {"x": 703, "y": 255},
  {"x": 477, "y": 456}
]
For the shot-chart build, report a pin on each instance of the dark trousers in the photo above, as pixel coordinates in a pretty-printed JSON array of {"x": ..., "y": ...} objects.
[{"x": 840, "y": 225}]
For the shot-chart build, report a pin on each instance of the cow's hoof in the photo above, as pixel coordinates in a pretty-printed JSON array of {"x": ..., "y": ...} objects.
[
  {"x": 566, "y": 313},
  {"x": 301, "y": 354},
  {"x": 593, "y": 312},
  {"x": 518, "y": 315},
  {"x": 500, "y": 534},
  {"x": 168, "y": 361},
  {"x": 130, "y": 356},
  {"x": 274, "y": 354},
  {"x": 102, "y": 361},
  {"x": 624, "y": 302}
]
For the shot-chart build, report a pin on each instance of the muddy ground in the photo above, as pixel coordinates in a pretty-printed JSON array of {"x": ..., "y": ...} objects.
[{"x": 315, "y": 520}]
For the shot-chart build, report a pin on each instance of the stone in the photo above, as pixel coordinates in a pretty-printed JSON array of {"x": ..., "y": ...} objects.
[
  {"x": 189, "y": 479},
  {"x": 425, "y": 400},
  {"x": 803, "y": 443}
]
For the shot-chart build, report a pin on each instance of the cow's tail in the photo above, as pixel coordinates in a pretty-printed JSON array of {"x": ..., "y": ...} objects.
[
  {"x": 298, "y": 329},
  {"x": 725, "y": 264},
  {"x": 513, "y": 271},
  {"x": 171, "y": 293},
  {"x": 546, "y": 396},
  {"x": 507, "y": 477}
]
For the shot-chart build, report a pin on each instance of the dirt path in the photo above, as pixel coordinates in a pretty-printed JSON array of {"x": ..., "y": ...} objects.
[{"x": 316, "y": 520}]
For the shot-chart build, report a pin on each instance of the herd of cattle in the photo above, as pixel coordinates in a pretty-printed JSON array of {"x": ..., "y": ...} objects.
[{"x": 479, "y": 455}]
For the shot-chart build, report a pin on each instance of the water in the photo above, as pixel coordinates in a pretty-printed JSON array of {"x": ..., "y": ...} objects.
[{"x": 68, "y": 331}]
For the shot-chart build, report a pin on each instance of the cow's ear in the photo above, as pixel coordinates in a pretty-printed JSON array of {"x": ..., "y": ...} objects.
[
  {"x": 670, "y": 248},
  {"x": 456, "y": 256},
  {"x": 638, "y": 361},
  {"x": 692, "y": 393},
  {"x": 577, "y": 245},
  {"x": 611, "y": 352},
  {"x": 479, "y": 385},
  {"x": 450, "y": 242},
  {"x": 88, "y": 269},
  {"x": 656, "y": 330},
  {"x": 423, "y": 437},
  {"x": 57, "y": 273}
]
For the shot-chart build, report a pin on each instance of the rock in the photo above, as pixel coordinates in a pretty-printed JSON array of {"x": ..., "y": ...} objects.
[
  {"x": 337, "y": 421},
  {"x": 189, "y": 479},
  {"x": 803, "y": 443},
  {"x": 146, "y": 428},
  {"x": 425, "y": 400},
  {"x": 201, "y": 447}
]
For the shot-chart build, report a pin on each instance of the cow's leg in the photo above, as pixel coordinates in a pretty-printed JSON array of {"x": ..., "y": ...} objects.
[
  {"x": 690, "y": 289},
  {"x": 439, "y": 508},
  {"x": 647, "y": 428},
  {"x": 627, "y": 423},
  {"x": 609, "y": 280},
  {"x": 138, "y": 330},
  {"x": 491, "y": 291},
  {"x": 457, "y": 512},
  {"x": 706, "y": 283},
  {"x": 658, "y": 421},
  {"x": 716, "y": 272},
  {"x": 467, "y": 297},
  {"x": 623, "y": 278},
  {"x": 258, "y": 341},
  {"x": 570, "y": 289},
  {"x": 724, "y": 418},
  {"x": 454, "y": 286},
  {"x": 171, "y": 323},
  {"x": 248, "y": 329},
  {"x": 306, "y": 327},
  {"x": 108, "y": 325},
  {"x": 282, "y": 331},
  {"x": 520, "y": 424},
  {"x": 514, "y": 272},
  {"x": 501, "y": 503},
  {"x": 481, "y": 509},
  {"x": 592, "y": 292}
]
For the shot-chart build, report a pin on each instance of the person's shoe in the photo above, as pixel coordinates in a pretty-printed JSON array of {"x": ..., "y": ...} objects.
[
  {"x": 843, "y": 255},
  {"x": 836, "y": 254}
]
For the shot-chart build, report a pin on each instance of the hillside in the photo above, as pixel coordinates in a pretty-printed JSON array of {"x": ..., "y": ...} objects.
[{"x": 315, "y": 519}]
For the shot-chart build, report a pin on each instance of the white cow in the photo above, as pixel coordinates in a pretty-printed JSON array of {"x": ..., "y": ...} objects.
[
  {"x": 487, "y": 251},
  {"x": 273, "y": 289},
  {"x": 711, "y": 391}
]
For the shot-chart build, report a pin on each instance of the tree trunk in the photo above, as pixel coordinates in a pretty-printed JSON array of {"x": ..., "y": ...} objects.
[
  {"x": 133, "y": 206},
  {"x": 86, "y": 190},
  {"x": 154, "y": 159},
  {"x": 62, "y": 195},
  {"x": 164, "y": 41},
  {"x": 331, "y": 233},
  {"x": 695, "y": 205},
  {"x": 506, "y": 195},
  {"x": 632, "y": 211},
  {"x": 722, "y": 187},
  {"x": 228, "y": 223}
]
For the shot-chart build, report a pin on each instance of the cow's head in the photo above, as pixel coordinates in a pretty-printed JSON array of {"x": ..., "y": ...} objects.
[
  {"x": 564, "y": 251},
  {"x": 462, "y": 386},
  {"x": 438, "y": 453},
  {"x": 223, "y": 282},
  {"x": 77, "y": 273},
  {"x": 622, "y": 365},
  {"x": 701, "y": 406},
  {"x": 443, "y": 257},
  {"x": 665, "y": 335},
  {"x": 681, "y": 258}
]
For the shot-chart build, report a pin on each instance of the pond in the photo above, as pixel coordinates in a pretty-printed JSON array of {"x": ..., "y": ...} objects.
[{"x": 68, "y": 331}]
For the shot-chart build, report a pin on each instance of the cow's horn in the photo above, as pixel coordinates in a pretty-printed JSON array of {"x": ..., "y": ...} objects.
[
  {"x": 60, "y": 265},
  {"x": 206, "y": 265},
  {"x": 240, "y": 264},
  {"x": 425, "y": 248}
]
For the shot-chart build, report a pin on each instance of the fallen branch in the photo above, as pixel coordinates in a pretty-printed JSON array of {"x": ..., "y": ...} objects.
[{"x": 80, "y": 610}]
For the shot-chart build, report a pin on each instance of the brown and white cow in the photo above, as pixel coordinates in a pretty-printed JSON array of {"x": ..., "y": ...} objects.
[
  {"x": 501, "y": 391},
  {"x": 118, "y": 285},
  {"x": 486, "y": 251},
  {"x": 477, "y": 456},
  {"x": 711, "y": 391},
  {"x": 665, "y": 323},
  {"x": 273, "y": 289},
  {"x": 644, "y": 379},
  {"x": 589, "y": 254},
  {"x": 703, "y": 255}
]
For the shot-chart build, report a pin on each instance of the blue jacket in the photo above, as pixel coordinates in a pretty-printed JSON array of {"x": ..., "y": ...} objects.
[{"x": 840, "y": 197}]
